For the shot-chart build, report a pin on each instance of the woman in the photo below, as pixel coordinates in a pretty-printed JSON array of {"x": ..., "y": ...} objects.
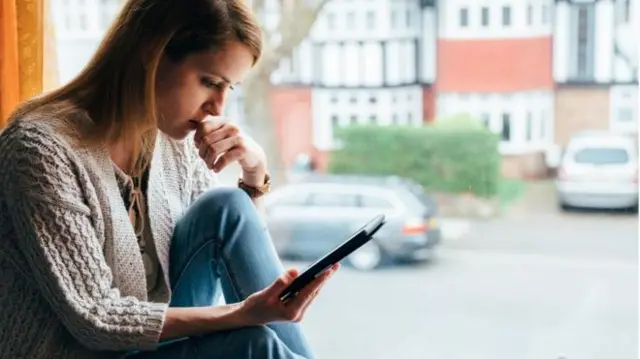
[{"x": 112, "y": 242}]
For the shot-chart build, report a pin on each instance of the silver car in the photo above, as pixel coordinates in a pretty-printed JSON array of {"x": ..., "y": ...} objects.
[
  {"x": 308, "y": 219},
  {"x": 599, "y": 170}
]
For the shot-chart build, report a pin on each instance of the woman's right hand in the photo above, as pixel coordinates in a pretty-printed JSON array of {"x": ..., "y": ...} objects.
[{"x": 264, "y": 307}]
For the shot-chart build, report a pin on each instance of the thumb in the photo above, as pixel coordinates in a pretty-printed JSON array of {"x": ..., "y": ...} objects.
[{"x": 282, "y": 282}]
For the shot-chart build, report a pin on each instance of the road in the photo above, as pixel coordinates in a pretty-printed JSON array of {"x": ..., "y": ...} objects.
[{"x": 536, "y": 284}]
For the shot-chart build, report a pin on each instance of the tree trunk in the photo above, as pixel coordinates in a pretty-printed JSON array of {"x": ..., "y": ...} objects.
[{"x": 257, "y": 115}]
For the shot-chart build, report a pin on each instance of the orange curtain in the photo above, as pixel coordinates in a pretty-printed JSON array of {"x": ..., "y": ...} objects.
[{"x": 27, "y": 52}]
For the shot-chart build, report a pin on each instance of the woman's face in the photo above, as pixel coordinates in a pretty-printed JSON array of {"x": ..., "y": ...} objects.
[{"x": 197, "y": 86}]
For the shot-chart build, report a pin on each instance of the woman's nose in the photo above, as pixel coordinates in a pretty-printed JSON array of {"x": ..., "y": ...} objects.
[{"x": 214, "y": 108}]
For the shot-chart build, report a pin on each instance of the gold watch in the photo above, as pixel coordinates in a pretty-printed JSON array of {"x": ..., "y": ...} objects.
[{"x": 256, "y": 192}]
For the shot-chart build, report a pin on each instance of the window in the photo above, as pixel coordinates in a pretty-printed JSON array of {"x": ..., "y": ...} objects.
[
  {"x": 484, "y": 16},
  {"x": 506, "y": 127},
  {"x": 466, "y": 180},
  {"x": 84, "y": 26},
  {"x": 624, "y": 115},
  {"x": 464, "y": 17},
  {"x": 506, "y": 16},
  {"x": 543, "y": 127},
  {"x": 626, "y": 11},
  {"x": 375, "y": 202},
  {"x": 331, "y": 20},
  {"x": 335, "y": 121},
  {"x": 327, "y": 199},
  {"x": 351, "y": 20},
  {"x": 409, "y": 14},
  {"x": 394, "y": 19},
  {"x": 68, "y": 23},
  {"x": 529, "y": 127},
  {"x": 545, "y": 14},
  {"x": 583, "y": 40},
  {"x": 485, "y": 118},
  {"x": 371, "y": 20},
  {"x": 602, "y": 156}
]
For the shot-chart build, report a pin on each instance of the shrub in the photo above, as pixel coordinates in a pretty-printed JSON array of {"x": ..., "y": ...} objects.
[{"x": 452, "y": 157}]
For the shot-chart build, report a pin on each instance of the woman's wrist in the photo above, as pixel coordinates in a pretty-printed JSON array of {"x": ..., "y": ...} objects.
[{"x": 254, "y": 178}]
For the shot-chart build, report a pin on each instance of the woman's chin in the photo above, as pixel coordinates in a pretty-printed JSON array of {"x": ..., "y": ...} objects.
[{"x": 178, "y": 133}]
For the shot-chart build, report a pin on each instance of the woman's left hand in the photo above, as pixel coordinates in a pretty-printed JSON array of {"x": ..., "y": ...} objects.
[{"x": 221, "y": 143}]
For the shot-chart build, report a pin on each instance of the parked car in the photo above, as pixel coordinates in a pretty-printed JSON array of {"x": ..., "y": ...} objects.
[
  {"x": 598, "y": 170},
  {"x": 309, "y": 218},
  {"x": 379, "y": 180}
]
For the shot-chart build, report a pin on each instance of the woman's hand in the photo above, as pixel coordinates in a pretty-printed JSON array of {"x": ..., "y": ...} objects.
[
  {"x": 221, "y": 142},
  {"x": 264, "y": 307}
]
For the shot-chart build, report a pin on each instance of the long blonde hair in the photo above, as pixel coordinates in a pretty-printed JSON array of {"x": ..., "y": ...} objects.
[{"x": 117, "y": 86}]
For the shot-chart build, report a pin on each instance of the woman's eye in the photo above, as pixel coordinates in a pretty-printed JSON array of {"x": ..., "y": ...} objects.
[
  {"x": 211, "y": 84},
  {"x": 215, "y": 85}
]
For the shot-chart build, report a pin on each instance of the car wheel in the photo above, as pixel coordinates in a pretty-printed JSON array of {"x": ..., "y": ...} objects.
[
  {"x": 368, "y": 257},
  {"x": 564, "y": 207}
]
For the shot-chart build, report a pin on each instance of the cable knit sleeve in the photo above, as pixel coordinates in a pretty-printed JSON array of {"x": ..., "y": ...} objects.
[{"x": 60, "y": 244}]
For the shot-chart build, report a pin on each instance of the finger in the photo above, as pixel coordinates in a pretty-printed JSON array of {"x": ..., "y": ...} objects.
[
  {"x": 219, "y": 134},
  {"x": 228, "y": 158},
  {"x": 210, "y": 153},
  {"x": 310, "y": 300},
  {"x": 225, "y": 145},
  {"x": 281, "y": 283},
  {"x": 210, "y": 123},
  {"x": 306, "y": 294}
]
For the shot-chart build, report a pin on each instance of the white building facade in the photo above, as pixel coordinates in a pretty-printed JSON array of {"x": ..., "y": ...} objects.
[
  {"x": 365, "y": 62},
  {"x": 596, "y": 44}
]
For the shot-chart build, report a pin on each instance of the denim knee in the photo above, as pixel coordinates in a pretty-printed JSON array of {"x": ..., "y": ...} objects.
[{"x": 215, "y": 200}]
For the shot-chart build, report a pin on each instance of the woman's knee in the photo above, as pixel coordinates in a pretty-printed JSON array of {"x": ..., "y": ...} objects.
[{"x": 223, "y": 199}]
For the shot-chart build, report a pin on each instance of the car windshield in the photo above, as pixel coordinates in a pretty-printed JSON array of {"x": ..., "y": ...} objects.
[
  {"x": 462, "y": 107},
  {"x": 602, "y": 156}
]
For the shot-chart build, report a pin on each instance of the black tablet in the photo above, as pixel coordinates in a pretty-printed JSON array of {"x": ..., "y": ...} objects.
[{"x": 359, "y": 238}]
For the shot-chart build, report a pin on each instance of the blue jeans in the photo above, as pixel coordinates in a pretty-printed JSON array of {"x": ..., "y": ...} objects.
[{"x": 220, "y": 243}]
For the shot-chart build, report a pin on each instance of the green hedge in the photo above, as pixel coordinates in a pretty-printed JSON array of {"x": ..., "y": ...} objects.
[{"x": 448, "y": 157}]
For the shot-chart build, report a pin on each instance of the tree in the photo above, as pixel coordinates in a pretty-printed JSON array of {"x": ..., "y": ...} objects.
[{"x": 295, "y": 18}]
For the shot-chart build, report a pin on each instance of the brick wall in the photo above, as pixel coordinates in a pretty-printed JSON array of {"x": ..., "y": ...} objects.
[
  {"x": 291, "y": 111},
  {"x": 579, "y": 109},
  {"x": 528, "y": 166}
]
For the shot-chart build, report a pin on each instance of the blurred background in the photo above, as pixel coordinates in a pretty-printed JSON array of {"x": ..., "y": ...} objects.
[{"x": 499, "y": 138}]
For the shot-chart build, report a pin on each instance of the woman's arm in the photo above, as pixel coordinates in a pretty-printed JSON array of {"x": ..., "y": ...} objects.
[
  {"x": 42, "y": 186},
  {"x": 185, "y": 322}
]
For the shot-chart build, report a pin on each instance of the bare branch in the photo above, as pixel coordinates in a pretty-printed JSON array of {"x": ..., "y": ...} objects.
[{"x": 295, "y": 21}]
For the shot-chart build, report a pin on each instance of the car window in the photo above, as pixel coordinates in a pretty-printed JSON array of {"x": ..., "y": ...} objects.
[
  {"x": 375, "y": 202},
  {"x": 602, "y": 156},
  {"x": 333, "y": 199}
]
